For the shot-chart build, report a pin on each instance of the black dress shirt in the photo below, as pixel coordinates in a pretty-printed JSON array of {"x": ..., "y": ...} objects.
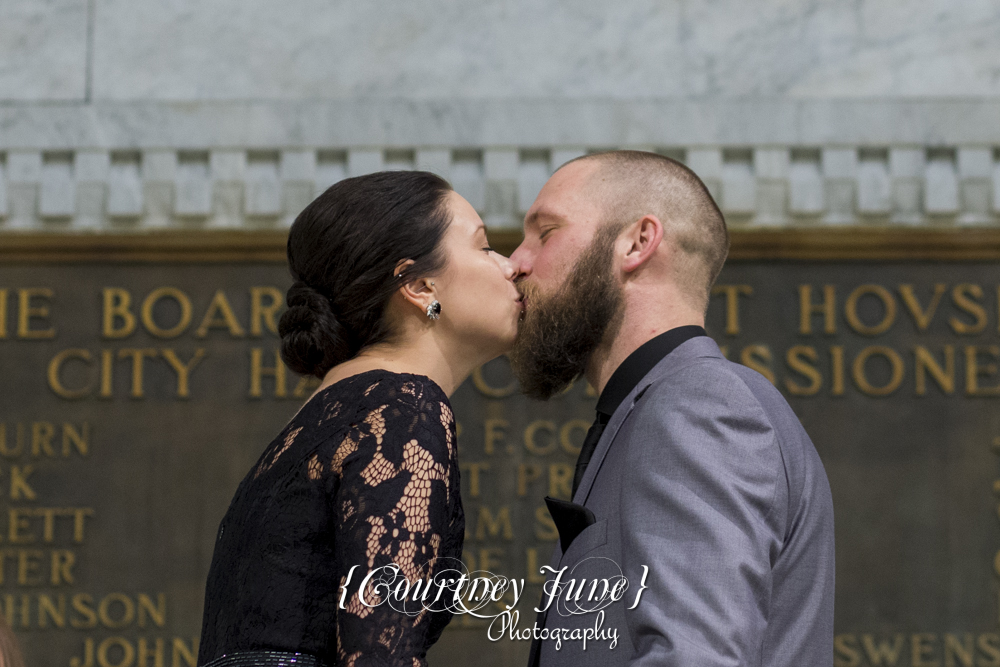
[{"x": 625, "y": 378}]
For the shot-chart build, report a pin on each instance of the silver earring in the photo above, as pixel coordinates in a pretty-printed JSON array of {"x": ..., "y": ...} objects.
[{"x": 434, "y": 310}]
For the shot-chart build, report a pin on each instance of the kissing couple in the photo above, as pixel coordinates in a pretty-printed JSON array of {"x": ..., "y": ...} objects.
[{"x": 695, "y": 467}]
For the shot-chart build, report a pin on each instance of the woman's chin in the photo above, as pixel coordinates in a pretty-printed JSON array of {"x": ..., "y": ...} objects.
[{"x": 505, "y": 343}]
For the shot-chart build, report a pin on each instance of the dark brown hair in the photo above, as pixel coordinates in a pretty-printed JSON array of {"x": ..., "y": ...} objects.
[{"x": 342, "y": 251}]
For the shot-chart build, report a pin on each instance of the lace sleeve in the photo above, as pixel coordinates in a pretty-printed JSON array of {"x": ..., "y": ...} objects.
[{"x": 393, "y": 506}]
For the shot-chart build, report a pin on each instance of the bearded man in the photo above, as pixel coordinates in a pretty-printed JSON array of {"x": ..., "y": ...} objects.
[{"x": 696, "y": 480}]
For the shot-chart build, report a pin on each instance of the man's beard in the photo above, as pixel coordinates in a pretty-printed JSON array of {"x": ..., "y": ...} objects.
[{"x": 560, "y": 332}]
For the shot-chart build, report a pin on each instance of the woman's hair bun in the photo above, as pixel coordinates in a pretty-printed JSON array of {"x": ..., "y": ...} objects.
[
  {"x": 343, "y": 250},
  {"x": 312, "y": 338}
]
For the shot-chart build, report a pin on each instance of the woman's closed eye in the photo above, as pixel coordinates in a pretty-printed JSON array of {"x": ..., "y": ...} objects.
[{"x": 488, "y": 249}]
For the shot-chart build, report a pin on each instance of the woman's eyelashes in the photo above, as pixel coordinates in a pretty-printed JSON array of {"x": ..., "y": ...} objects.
[{"x": 488, "y": 249}]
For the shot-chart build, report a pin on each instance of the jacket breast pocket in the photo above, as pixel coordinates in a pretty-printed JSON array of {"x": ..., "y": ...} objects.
[{"x": 593, "y": 536}]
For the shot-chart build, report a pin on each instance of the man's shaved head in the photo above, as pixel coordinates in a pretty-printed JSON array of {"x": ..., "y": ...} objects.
[{"x": 631, "y": 184}]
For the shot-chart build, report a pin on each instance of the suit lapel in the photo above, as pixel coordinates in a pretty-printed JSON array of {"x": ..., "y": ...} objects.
[{"x": 699, "y": 346}]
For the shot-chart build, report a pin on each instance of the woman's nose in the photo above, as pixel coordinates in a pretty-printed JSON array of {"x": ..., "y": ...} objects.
[{"x": 509, "y": 268}]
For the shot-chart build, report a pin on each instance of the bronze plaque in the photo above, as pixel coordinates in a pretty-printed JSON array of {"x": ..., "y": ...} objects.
[{"x": 140, "y": 383}]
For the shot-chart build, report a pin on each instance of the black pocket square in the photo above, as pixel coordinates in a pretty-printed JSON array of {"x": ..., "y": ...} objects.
[{"x": 570, "y": 519}]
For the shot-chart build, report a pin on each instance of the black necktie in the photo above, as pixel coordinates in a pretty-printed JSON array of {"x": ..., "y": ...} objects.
[{"x": 587, "y": 450}]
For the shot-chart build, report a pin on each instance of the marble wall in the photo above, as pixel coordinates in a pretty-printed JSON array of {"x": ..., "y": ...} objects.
[
  {"x": 636, "y": 49},
  {"x": 117, "y": 114}
]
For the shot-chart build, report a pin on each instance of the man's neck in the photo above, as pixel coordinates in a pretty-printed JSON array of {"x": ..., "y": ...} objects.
[{"x": 631, "y": 334}]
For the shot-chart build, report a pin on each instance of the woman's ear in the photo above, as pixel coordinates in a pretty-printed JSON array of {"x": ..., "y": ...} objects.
[
  {"x": 643, "y": 239},
  {"x": 419, "y": 292}
]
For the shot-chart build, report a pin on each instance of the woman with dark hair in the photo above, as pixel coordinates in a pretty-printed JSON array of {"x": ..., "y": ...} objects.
[{"x": 397, "y": 298}]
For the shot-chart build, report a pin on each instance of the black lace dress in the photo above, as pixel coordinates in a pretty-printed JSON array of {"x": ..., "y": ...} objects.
[{"x": 365, "y": 474}]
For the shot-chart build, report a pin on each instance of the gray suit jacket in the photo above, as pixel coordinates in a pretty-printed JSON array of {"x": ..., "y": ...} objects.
[{"x": 705, "y": 475}]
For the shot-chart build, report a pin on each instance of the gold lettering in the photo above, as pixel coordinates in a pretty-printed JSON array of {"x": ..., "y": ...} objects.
[
  {"x": 486, "y": 389},
  {"x": 888, "y": 305},
  {"x": 963, "y": 650},
  {"x": 961, "y": 298},
  {"x": 128, "y": 652},
  {"x": 26, "y": 312},
  {"x": 973, "y": 370},
  {"x": 88, "y": 652},
  {"x": 565, "y": 435},
  {"x": 54, "y": 611},
  {"x": 474, "y": 470},
  {"x": 861, "y": 379},
  {"x": 493, "y": 434},
  {"x": 530, "y": 435},
  {"x": 494, "y": 525},
  {"x": 84, "y": 604},
  {"x": 79, "y": 439},
  {"x": 25, "y": 610},
  {"x": 15, "y": 524},
  {"x": 79, "y": 513},
  {"x": 41, "y": 438},
  {"x": 307, "y": 384},
  {"x": 48, "y": 515},
  {"x": 117, "y": 306},
  {"x": 545, "y": 528},
  {"x": 796, "y": 357},
  {"x": 219, "y": 307},
  {"x": 489, "y": 557},
  {"x": 157, "y": 613},
  {"x": 922, "y": 318},
  {"x": 29, "y": 563},
  {"x": 883, "y": 651},
  {"x": 127, "y": 613},
  {"x": 733, "y": 293},
  {"x": 150, "y": 302},
  {"x": 845, "y": 651},
  {"x": 560, "y": 480},
  {"x": 183, "y": 370},
  {"x": 107, "y": 373},
  {"x": 924, "y": 361},
  {"x": 258, "y": 370},
  {"x": 989, "y": 643},
  {"x": 828, "y": 309},
  {"x": 138, "y": 355},
  {"x": 837, "y": 369},
  {"x": 3, "y": 312},
  {"x": 919, "y": 649},
  {"x": 261, "y": 313},
  {"x": 180, "y": 650},
  {"x": 526, "y": 473},
  {"x": 145, "y": 652},
  {"x": 55, "y": 369},
  {"x": 62, "y": 564},
  {"x": 758, "y": 357},
  {"x": 19, "y": 487}
]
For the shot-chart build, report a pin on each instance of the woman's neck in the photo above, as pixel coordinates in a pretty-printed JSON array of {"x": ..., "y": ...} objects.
[{"x": 423, "y": 356}]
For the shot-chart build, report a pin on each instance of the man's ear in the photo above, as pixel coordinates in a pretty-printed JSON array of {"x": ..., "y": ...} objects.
[{"x": 644, "y": 237}]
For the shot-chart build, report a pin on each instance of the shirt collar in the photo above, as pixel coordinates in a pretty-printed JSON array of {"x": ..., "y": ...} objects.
[{"x": 631, "y": 371}]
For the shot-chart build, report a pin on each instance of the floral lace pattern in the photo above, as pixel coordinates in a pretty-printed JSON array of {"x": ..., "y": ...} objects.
[{"x": 365, "y": 474}]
